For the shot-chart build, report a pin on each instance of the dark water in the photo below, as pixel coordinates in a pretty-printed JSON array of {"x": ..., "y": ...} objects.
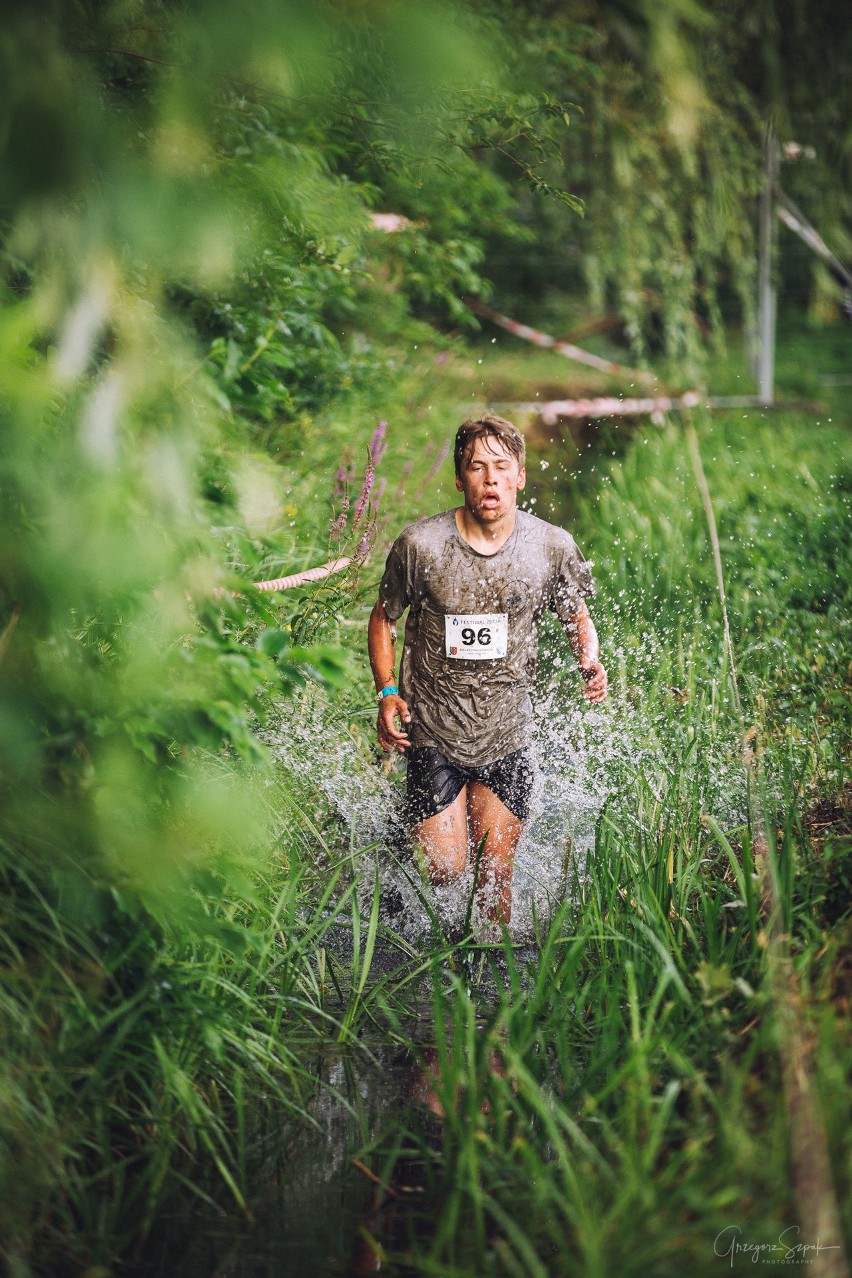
[
  {"x": 370, "y": 1114},
  {"x": 309, "y": 1192}
]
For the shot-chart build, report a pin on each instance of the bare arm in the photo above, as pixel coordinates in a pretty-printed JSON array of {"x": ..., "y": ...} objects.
[
  {"x": 383, "y": 661},
  {"x": 584, "y": 644}
]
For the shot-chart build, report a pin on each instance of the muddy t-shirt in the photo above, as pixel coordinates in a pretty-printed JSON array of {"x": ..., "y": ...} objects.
[{"x": 471, "y": 635}]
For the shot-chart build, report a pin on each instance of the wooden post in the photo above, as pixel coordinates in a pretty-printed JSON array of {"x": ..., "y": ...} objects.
[{"x": 767, "y": 295}]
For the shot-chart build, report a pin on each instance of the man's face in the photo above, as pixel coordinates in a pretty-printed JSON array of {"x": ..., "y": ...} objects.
[{"x": 490, "y": 480}]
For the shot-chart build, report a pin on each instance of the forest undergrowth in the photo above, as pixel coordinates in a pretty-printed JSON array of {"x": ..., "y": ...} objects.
[
  {"x": 599, "y": 1094},
  {"x": 240, "y": 252}
]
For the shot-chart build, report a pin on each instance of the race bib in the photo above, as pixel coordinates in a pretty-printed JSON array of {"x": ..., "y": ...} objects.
[{"x": 477, "y": 637}]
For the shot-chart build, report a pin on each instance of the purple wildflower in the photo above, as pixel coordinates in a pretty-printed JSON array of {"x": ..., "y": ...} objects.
[
  {"x": 406, "y": 472},
  {"x": 364, "y": 495},
  {"x": 378, "y": 494},
  {"x": 438, "y": 462},
  {"x": 433, "y": 470},
  {"x": 338, "y": 526},
  {"x": 377, "y": 444}
]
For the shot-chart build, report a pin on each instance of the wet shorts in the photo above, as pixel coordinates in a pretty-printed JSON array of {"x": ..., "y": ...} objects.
[{"x": 434, "y": 781}]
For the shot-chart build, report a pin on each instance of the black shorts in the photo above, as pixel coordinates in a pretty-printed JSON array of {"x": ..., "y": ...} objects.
[{"x": 434, "y": 782}]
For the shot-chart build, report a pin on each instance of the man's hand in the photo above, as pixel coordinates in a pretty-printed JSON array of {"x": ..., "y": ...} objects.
[
  {"x": 380, "y": 641},
  {"x": 596, "y": 681},
  {"x": 390, "y": 737},
  {"x": 584, "y": 644}
]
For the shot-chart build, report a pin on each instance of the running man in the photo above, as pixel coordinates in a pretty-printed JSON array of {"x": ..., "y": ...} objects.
[{"x": 476, "y": 581}]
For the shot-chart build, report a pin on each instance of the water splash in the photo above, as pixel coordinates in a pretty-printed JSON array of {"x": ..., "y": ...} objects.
[{"x": 642, "y": 761}]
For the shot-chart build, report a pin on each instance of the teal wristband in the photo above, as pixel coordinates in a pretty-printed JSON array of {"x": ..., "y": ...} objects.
[{"x": 386, "y": 691}]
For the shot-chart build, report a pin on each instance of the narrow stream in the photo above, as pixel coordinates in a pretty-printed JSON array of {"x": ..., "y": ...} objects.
[{"x": 315, "y": 1202}]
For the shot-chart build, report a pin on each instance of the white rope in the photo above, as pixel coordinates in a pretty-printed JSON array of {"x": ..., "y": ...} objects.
[{"x": 302, "y": 578}]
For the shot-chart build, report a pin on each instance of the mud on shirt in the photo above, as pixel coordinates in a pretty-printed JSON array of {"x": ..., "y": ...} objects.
[{"x": 471, "y": 635}]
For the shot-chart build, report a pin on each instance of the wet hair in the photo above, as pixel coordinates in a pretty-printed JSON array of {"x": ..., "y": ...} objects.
[{"x": 488, "y": 426}]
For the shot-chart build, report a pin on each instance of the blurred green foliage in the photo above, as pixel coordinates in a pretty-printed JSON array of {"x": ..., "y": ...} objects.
[
  {"x": 671, "y": 103},
  {"x": 165, "y": 191},
  {"x": 180, "y": 249},
  {"x": 185, "y": 201}
]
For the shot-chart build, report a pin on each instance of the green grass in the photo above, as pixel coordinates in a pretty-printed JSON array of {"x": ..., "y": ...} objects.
[
  {"x": 618, "y": 1104},
  {"x": 615, "y": 1103}
]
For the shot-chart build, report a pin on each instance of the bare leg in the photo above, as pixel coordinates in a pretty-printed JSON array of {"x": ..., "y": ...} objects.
[
  {"x": 489, "y": 816},
  {"x": 443, "y": 838}
]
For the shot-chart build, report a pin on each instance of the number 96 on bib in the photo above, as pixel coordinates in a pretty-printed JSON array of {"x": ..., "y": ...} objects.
[{"x": 481, "y": 636}]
